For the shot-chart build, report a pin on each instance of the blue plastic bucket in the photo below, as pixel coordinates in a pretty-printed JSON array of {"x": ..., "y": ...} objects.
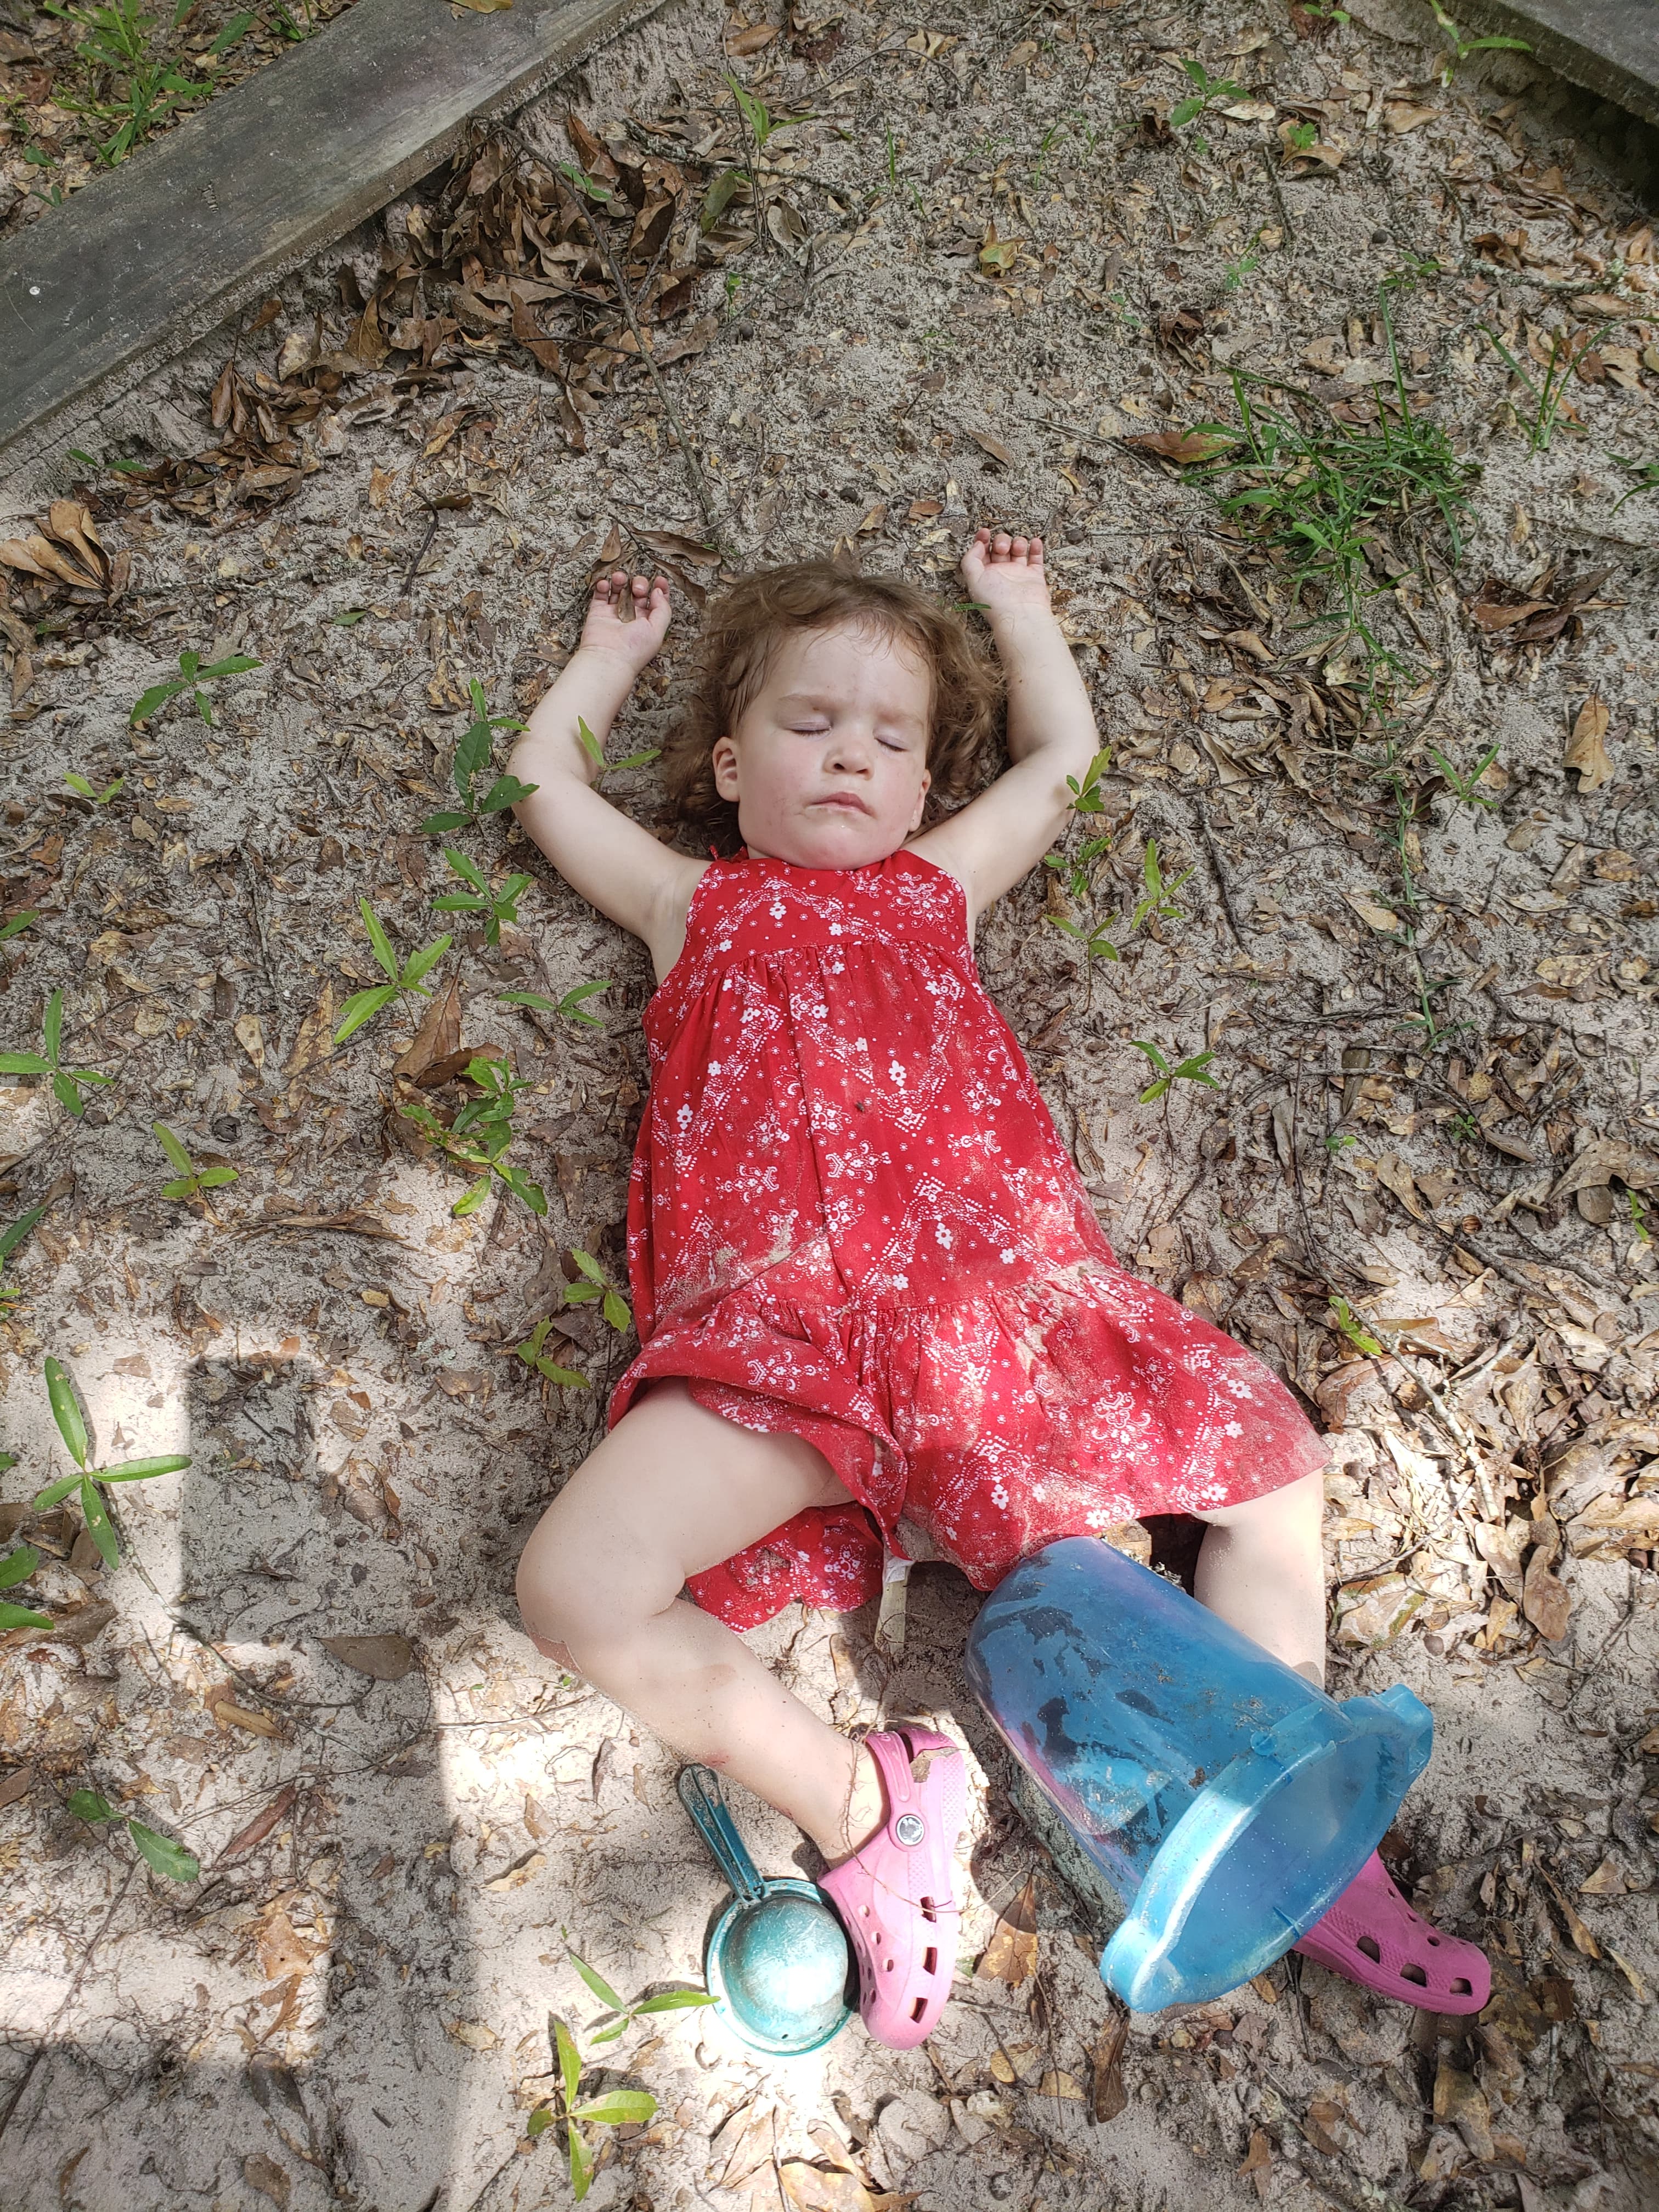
[{"x": 1226, "y": 1802}]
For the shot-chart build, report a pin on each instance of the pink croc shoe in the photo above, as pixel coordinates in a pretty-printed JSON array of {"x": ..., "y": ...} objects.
[
  {"x": 895, "y": 1895},
  {"x": 1372, "y": 1936}
]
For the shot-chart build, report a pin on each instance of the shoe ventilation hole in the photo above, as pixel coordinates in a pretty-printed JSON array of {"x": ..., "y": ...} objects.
[
  {"x": 1434, "y": 1940},
  {"x": 918, "y": 2009},
  {"x": 1461, "y": 1988},
  {"x": 930, "y": 1961},
  {"x": 1368, "y": 1944},
  {"x": 1414, "y": 1973},
  {"x": 929, "y": 1911},
  {"x": 864, "y": 1913}
]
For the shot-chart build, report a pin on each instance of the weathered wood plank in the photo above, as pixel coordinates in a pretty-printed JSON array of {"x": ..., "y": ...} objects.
[
  {"x": 147, "y": 258},
  {"x": 1611, "y": 47}
]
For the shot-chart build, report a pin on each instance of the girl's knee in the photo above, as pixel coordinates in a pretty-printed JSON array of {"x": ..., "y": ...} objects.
[{"x": 575, "y": 1585}]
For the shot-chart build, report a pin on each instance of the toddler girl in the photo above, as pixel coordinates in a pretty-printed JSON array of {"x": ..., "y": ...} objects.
[{"x": 867, "y": 1279}]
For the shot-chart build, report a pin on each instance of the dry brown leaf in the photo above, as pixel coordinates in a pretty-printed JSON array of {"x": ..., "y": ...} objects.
[
  {"x": 384, "y": 1658},
  {"x": 1057, "y": 2083},
  {"x": 751, "y": 40},
  {"x": 1259, "y": 2162},
  {"x": 822, "y": 2189},
  {"x": 229, "y": 1716},
  {"x": 315, "y": 1033},
  {"x": 1012, "y": 1953},
  {"x": 264, "y": 2174},
  {"x": 1371, "y": 911},
  {"x": 283, "y": 1951},
  {"x": 1394, "y": 1175},
  {"x": 472, "y": 2032},
  {"x": 516, "y": 1876},
  {"x": 1406, "y": 115},
  {"x": 1545, "y": 1601},
  {"x": 1183, "y": 446},
  {"x": 1108, "y": 2096},
  {"x": 994, "y": 447},
  {"x": 1586, "y": 749},
  {"x": 251, "y": 1038},
  {"x": 670, "y": 545},
  {"x": 437, "y": 1039},
  {"x": 1584, "y": 1941},
  {"x": 259, "y": 1827},
  {"x": 1460, "y": 2100},
  {"x": 1607, "y": 1881},
  {"x": 1602, "y": 1160}
]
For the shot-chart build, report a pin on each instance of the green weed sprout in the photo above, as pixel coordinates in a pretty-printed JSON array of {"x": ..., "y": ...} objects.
[
  {"x": 1210, "y": 90},
  {"x": 1540, "y": 425},
  {"x": 116, "y": 44},
  {"x": 1361, "y": 1338},
  {"x": 1190, "y": 1070},
  {"x": 479, "y": 1137},
  {"x": 191, "y": 1180},
  {"x": 1314, "y": 495},
  {"x": 595, "y": 751},
  {"x": 1095, "y": 943},
  {"x": 614, "y": 2109},
  {"x": 533, "y": 1357},
  {"x": 617, "y": 2107},
  {"x": 668, "y": 2000},
  {"x": 16, "y": 1568},
  {"x": 473, "y": 757},
  {"x": 612, "y": 1304},
  {"x": 158, "y": 1852},
  {"x": 502, "y": 906},
  {"x": 9, "y": 1240},
  {"x": 1085, "y": 796},
  {"x": 569, "y": 1006},
  {"x": 66, "y": 1082},
  {"x": 91, "y": 791},
  {"x": 72, "y": 1427},
  {"x": 406, "y": 976},
  {"x": 1466, "y": 787},
  {"x": 1638, "y": 1217},
  {"x": 1461, "y": 48},
  {"x": 19, "y": 923},
  {"x": 192, "y": 677},
  {"x": 1646, "y": 474},
  {"x": 1159, "y": 896},
  {"x": 762, "y": 123}
]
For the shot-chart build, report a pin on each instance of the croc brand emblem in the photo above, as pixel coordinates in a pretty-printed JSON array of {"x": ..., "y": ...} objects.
[{"x": 910, "y": 1828}]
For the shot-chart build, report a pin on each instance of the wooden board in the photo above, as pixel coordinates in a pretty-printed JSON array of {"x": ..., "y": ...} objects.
[
  {"x": 148, "y": 257},
  {"x": 1611, "y": 47}
]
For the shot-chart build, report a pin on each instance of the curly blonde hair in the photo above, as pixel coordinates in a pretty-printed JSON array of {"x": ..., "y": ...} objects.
[{"x": 742, "y": 632}]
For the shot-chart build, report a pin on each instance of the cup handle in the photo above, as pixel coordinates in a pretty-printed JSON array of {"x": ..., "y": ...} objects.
[{"x": 704, "y": 1800}]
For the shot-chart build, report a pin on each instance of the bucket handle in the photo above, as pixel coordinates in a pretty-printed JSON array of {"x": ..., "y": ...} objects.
[{"x": 704, "y": 1800}]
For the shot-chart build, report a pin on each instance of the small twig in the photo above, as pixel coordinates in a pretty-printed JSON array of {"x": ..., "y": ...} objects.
[
  {"x": 1279, "y": 196},
  {"x": 259, "y": 923},
  {"x": 1221, "y": 882},
  {"x": 415, "y": 565}
]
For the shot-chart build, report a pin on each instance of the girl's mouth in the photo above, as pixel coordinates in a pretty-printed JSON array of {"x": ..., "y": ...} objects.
[{"x": 855, "y": 805}]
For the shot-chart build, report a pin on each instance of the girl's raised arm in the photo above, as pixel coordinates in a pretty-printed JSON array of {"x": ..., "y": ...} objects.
[{"x": 600, "y": 852}]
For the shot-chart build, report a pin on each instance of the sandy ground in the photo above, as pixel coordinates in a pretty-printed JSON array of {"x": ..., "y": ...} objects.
[{"x": 351, "y": 2005}]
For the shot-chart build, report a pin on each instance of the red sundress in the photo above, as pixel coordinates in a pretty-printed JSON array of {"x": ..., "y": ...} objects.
[{"x": 850, "y": 1215}]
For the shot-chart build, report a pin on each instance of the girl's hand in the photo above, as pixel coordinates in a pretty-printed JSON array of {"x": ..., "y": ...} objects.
[
  {"x": 1006, "y": 575},
  {"x": 627, "y": 619}
]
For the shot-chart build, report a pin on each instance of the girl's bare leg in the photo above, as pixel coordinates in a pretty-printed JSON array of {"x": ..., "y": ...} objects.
[
  {"x": 670, "y": 1491},
  {"x": 1262, "y": 1569}
]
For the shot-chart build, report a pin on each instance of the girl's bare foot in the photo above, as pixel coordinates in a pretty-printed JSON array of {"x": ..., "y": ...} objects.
[
  {"x": 628, "y": 617},
  {"x": 1006, "y": 575}
]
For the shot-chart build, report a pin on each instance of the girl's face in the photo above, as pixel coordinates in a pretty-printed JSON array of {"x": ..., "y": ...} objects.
[{"x": 828, "y": 762}]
